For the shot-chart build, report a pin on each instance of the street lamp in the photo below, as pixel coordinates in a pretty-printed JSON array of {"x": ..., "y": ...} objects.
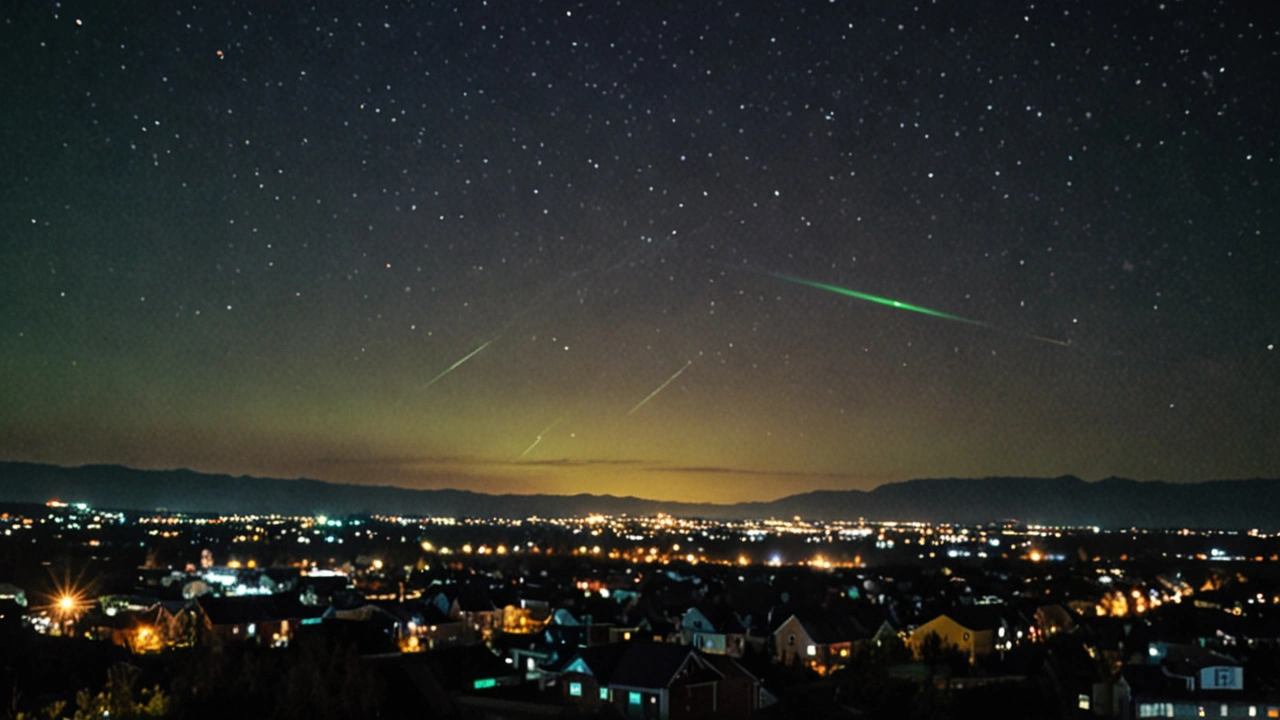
[{"x": 68, "y": 607}]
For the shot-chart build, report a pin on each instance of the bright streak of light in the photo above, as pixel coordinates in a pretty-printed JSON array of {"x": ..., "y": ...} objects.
[
  {"x": 454, "y": 366},
  {"x": 661, "y": 387},
  {"x": 877, "y": 299}
]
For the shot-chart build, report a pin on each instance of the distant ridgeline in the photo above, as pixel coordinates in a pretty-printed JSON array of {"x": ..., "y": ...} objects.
[{"x": 1114, "y": 502}]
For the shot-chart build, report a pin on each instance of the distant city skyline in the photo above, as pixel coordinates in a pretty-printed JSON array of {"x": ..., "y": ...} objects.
[
  {"x": 703, "y": 254},
  {"x": 1233, "y": 505}
]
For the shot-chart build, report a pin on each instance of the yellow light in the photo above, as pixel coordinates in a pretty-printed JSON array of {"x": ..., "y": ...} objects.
[{"x": 66, "y": 603}]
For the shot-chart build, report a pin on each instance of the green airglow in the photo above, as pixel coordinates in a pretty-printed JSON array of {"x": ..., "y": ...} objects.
[{"x": 876, "y": 299}]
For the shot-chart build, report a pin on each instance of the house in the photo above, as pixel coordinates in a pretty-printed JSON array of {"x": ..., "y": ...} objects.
[
  {"x": 1197, "y": 684},
  {"x": 713, "y": 629},
  {"x": 877, "y": 621},
  {"x": 823, "y": 640},
  {"x": 158, "y": 626},
  {"x": 521, "y": 620},
  {"x": 659, "y": 681},
  {"x": 974, "y": 631},
  {"x": 740, "y": 693},
  {"x": 475, "y": 606},
  {"x": 266, "y": 620}
]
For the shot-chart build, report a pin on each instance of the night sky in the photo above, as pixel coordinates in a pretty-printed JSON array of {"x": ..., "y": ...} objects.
[{"x": 565, "y": 247}]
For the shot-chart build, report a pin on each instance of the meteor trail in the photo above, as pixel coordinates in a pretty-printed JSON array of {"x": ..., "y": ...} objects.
[
  {"x": 876, "y": 299},
  {"x": 454, "y": 366},
  {"x": 904, "y": 306},
  {"x": 661, "y": 387},
  {"x": 539, "y": 438},
  {"x": 1063, "y": 343}
]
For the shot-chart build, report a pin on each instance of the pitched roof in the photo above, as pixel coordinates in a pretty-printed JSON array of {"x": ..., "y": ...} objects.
[
  {"x": 720, "y": 617},
  {"x": 828, "y": 628},
  {"x": 976, "y": 618},
  {"x": 645, "y": 665},
  {"x": 729, "y": 667}
]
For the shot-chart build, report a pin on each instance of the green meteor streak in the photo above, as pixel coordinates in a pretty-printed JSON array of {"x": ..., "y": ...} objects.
[
  {"x": 876, "y": 299},
  {"x": 454, "y": 366}
]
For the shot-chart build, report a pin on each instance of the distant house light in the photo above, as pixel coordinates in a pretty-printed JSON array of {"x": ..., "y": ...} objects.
[
  {"x": 634, "y": 698},
  {"x": 811, "y": 651},
  {"x": 604, "y": 693},
  {"x": 485, "y": 683},
  {"x": 575, "y": 689}
]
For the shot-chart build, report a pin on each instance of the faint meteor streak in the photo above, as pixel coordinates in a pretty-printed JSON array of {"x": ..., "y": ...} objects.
[
  {"x": 539, "y": 438},
  {"x": 661, "y": 387},
  {"x": 1063, "y": 343},
  {"x": 877, "y": 299},
  {"x": 454, "y": 366}
]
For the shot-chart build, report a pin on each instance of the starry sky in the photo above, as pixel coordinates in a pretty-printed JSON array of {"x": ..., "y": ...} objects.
[{"x": 596, "y": 247}]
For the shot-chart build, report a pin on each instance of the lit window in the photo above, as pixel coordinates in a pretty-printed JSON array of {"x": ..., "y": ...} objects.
[
  {"x": 811, "y": 651},
  {"x": 626, "y": 635},
  {"x": 253, "y": 629},
  {"x": 634, "y": 698},
  {"x": 575, "y": 689},
  {"x": 604, "y": 693}
]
